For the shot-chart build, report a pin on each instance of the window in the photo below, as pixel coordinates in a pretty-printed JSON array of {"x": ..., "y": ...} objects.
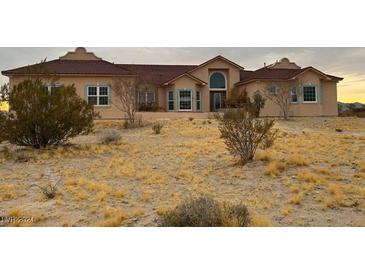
[
  {"x": 146, "y": 97},
  {"x": 198, "y": 101},
  {"x": 309, "y": 94},
  {"x": 98, "y": 95},
  {"x": 170, "y": 100},
  {"x": 294, "y": 95},
  {"x": 185, "y": 100},
  {"x": 217, "y": 81},
  {"x": 53, "y": 87},
  {"x": 273, "y": 90}
]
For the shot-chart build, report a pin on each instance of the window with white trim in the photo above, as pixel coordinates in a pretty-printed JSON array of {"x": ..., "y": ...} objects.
[
  {"x": 309, "y": 94},
  {"x": 294, "y": 95},
  {"x": 146, "y": 97},
  {"x": 198, "y": 101},
  {"x": 98, "y": 95},
  {"x": 170, "y": 100},
  {"x": 185, "y": 100}
]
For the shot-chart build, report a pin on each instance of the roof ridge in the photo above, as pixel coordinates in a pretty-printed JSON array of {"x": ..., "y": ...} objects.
[{"x": 157, "y": 65}]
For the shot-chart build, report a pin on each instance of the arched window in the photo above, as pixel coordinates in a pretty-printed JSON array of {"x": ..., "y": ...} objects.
[{"x": 217, "y": 81}]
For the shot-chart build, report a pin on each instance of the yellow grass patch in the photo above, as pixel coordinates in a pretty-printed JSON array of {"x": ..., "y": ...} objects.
[
  {"x": 274, "y": 168},
  {"x": 266, "y": 155},
  {"x": 297, "y": 160},
  {"x": 309, "y": 177},
  {"x": 260, "y": 221},
  {"x": 113, "y": 217},
  {"x": 296, "y": 199}
]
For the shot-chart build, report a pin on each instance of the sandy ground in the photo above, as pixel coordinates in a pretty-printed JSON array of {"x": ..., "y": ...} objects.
[{"x": 312, "y": 176}]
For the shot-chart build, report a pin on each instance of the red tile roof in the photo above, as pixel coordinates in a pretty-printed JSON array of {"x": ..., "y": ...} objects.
[
  {"x": 158, "y": 74},
  {"x": 266, "y": 73},
  {"x": 153, "y": 74},
  {"x": 94, "y": 67}
]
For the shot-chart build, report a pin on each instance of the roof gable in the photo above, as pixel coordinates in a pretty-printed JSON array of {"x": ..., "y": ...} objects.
[
  {"x": 219, "y": 57},
  {"x": 195, "y": 79}
]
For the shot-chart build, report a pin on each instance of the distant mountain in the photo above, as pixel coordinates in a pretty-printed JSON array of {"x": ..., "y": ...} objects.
[{"x": 347, "y": 106}]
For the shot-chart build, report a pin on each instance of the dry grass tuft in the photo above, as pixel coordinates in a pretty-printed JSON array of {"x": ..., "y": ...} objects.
[
  {"x": 297, "y": 160},
  {"x": 113, "y": 217},
  {"x": 309, "y": 177},
  {"x": 266, "y": 155},
  {"x": 120, "y": 192},
  {"x": 260, "y": 221},
  {"x": 274, "y": 168},
  {"x": 297, "y": 199}
]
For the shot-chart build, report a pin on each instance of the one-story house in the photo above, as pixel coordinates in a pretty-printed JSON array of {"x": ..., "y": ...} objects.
[{"x": 189, "y": 88}]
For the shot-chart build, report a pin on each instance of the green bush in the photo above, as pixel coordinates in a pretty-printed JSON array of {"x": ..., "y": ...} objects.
[
  {"x": 3, "y": 118},
  {"x": 40, "y": 118},
  {"x": 205, "y": 212}
]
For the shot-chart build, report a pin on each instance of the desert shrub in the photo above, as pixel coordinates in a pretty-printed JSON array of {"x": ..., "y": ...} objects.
[
  {"x": 137, "y": 122},
  {"x": 205, "y": 212},
  {"x": 49, "y": 191},
  {"x": 257, "y": 104},
  {"x": 242, "y": 100},
  {"x": 269, "y": 140},
  {"x": 110, "y": 136},
  {"x": 40, "y": 118},
  {"x": 242, "y": 133},
  {"x": 191, "y": 119},
  {"x": 157, "y": 127},
  {"x": 3, "y": 118},
  {"x": 150, "y": 106}
]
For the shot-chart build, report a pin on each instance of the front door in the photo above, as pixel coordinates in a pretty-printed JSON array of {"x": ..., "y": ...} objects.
[{"x": 216, "y": 101}]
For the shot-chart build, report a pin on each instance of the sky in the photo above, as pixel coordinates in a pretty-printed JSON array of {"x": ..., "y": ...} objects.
[{"x": 348, "y": 63}]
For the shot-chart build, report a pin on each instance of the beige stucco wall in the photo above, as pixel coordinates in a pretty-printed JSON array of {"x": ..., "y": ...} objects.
[
  {"x": 80, "y": 82},
  {"x": 327, "y": 105},
  {"x": 231, "y": 72}
]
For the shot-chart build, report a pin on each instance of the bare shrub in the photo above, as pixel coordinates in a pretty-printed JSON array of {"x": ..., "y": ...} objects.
[
  {"x": 49, "y": 191},
  {"x": 205, "y": 212},
  {"x": 157, "y": 127},
  {"x": 135, "y": 123},
  {"x": 269, "y": 140},
  {"x": 242, "y": 133},
  {"x": 110, "y": 136},
  {"x": 125, "y": 91},
  {"x": 280, "y": 93}
]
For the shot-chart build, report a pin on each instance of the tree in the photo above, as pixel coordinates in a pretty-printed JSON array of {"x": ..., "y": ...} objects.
[
  {"x": 242, "y": 100},
  {"x": 280, "y": 94},
  {"x": 4, "y": 93},
  {"x": 40, "y": 118},
  {"x": 258, "y": 103},
  {"x": 125, "y": 90}
]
